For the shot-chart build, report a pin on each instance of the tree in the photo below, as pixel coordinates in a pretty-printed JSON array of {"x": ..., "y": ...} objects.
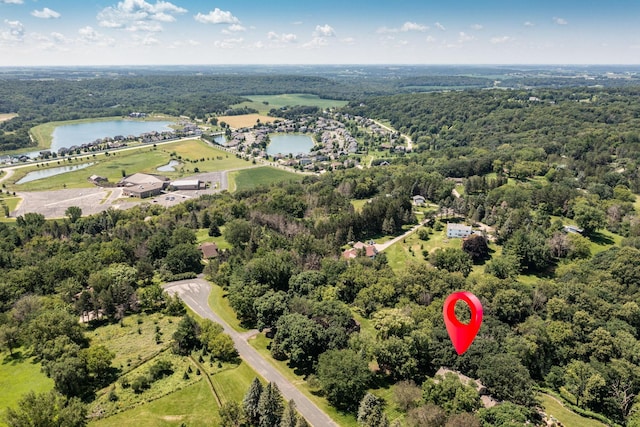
[
  {"x": 462, "y": 420},
  {"x": 47, "y": 410},
  {"x": 9, "y": 337},
  {"x": 589, "y": 218},
  {"x": 503, "y": 267},
  {"x": 344, "y": 376},
  {"x": 476, "y": 246},
  {"x": 452, "y": 260},
  {"x": 577, "y": 379},
  {"x": 371, "y": 412},
  {"x": 407, "y": 395},
  {"x": 506, "y": 379},
  {"x": 98, "y": 362},
  {"x": 506, "y": 414},
  {"x": 270, "y": 406},
  {"x": 251, "y": 400},
  {"x": 450, "y": 394},
  {"x": 186, "y": 336},
  {"x": 184, "y": 258},
  {"x": 289, "y": 416},
  {"x": 69, "y": 375},
  {"x": 298, "y": 338},
  {"x": 427, "y": 415},
  {"x": 74, "y": 213},
  {"x": 231, "y": 414}
]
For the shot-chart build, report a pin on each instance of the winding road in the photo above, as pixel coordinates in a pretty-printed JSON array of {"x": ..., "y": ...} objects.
[{"x": 195, "y": 293}]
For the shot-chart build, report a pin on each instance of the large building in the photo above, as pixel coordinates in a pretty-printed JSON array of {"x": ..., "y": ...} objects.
[
  {"x": 186, "y": 184},
  {"x": 458, "y": 230},
  {"x": 143, "y": 185}
]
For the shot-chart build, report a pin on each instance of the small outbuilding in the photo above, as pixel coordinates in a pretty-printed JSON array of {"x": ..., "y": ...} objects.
[{"x": 186, "y": 184}]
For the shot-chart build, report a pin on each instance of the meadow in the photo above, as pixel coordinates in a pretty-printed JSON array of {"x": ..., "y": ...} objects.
[
  {"x": 264, "y": 103},
  {"x": 249, "y": 179},
  {"x": 19, "y": 374},
  {"x": 245, "y": 120}
]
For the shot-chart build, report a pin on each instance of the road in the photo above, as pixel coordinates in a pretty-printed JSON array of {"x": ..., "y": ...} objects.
[
  {"x": 195, "y": 293},
  {"x": 405, "y": 136}
]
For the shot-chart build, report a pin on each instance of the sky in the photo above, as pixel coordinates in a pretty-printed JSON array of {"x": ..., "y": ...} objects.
[{"x": 192, "y": 32}]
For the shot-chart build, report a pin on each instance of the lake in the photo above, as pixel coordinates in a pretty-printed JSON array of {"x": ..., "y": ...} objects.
[
  {"x": 169, "y": 167},
  {"x": 66, "y": 136},
  {"x": 289, "y": 144},
  {"x": 46, "y": 173}
]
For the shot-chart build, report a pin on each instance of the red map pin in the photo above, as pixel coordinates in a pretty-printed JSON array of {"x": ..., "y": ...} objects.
[{"x": 462, "y": 335}]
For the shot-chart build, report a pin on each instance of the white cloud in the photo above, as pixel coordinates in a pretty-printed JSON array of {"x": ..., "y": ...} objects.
[
  {"x": 217, "y": 16},
  {"x": 325, "y": 30},
  {"x": 440, "y": 26},
  {"x": 560, "y": 21},
  {"x": 413, "y": 26},
  {"x": 316, "y": 42},
  {"x": 431, "y": 39},
  {"x": 228, "y": 43},
  {"x": 236, "y": 28},
  {"x": 348, "y": 40},
  {"x": 500, "y": 40},
  {"x": 45, "y": 13},
  {"x": 464, "y": 37},
  {"x": 133, "y": 14},
  {"x": 477, "y": 27},
  {"x": 90, "y": 36},
  {"x": 12, "y": 1},
  {"x": 282, "y": 38},
  {"x": 529, "y": 24},
  {"x": 15, "y": 32}
]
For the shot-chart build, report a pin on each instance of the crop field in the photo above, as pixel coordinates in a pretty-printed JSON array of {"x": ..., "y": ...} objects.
[
  {"x": 245, "y": 120},
  {"x": 265, "y": 175},
  {"x": 19, "y": 375},
  {"x": 264, "y": 103}
]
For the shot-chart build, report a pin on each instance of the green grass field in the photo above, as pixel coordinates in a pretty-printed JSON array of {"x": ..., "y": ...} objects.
[
  {"x": 18, "y": 376},
  {"x": 203, "y": 236},
  {"x": 220, "y": 305},
  {"x": 564, "y": 415},
  {"x": 410, "y": 250},
  {"x": 144, "y": 159},
  {"x": 264, "y": 175},
  {"x": 278, "y": 101}
]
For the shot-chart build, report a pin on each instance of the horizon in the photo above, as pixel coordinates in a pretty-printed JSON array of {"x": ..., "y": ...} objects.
[{"x": 197, "y": 33}]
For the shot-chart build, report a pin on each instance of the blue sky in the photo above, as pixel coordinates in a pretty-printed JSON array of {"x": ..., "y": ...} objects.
[{"x": 148, "y": 32}]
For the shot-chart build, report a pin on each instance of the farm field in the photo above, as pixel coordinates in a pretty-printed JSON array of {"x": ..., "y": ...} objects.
[
  {"x": 264, "y": 103},
  {"x": 265, "y": 175},
  {"x": 245, "y": 120},
  {"x": 19, "y": 375}
]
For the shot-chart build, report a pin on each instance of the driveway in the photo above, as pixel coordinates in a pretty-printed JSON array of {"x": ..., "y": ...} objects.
[{"x": 195, "y": 293}]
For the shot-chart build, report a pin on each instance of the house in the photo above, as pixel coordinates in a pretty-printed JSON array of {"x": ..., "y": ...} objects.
[
  {"x": 419, "y": 200},
  {"x": 369, "y": 250},
  {"x": 186, "y": 184},
  {"x": 458, "y": 230},
  {"x": 572, "y": 229},
  {"x": 209, "y": 250}
]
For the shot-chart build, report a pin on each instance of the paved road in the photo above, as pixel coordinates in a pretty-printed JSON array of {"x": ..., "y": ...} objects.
[{"x": 195, "y": 293}]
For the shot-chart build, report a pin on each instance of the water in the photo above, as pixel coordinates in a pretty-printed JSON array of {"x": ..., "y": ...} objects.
[
  {"x": 169, "y": 167},
  {"x": 220, "y": 139},
  {"x": 82, "y": 133},
  {"x": 289, "y": 144},
  {"x": 46, "y": 173}
]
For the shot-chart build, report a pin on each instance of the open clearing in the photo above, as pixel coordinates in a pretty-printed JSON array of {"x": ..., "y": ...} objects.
[
  {"x": 261, "y": 176},
  {"x": 246, "y": 120},
  {"x": 19, "y": 375},
  {"x": 264, "y": 103},
  {"x": 7, "y": 116},
  {"x": 564, "y": 415}
]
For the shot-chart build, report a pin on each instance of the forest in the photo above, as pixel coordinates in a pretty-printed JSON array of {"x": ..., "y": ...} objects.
[{"x": 560, "y": 316}]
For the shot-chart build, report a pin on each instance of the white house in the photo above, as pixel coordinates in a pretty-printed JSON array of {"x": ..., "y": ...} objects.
[
  {"x": 419, "y": 200},
  {"x": 458, "y": 230}
]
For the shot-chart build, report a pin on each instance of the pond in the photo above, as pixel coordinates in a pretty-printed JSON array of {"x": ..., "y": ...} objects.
[
  {"x": 46, "y": 173},
  {"x": 169, "y": 167},
  {"x": 289, "y": 144},
  {"x": 66, "y": 136}
]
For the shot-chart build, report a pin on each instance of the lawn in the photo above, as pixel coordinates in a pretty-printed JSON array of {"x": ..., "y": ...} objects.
[
  {"x": 264, "y": 103},
  {"x": 232, "y": 384},
  {"x": 203, "y": 236},
  {"x": 261, "y": 176},
  {"x": 10, "y": 202},
  {"x": 19, "y": 375},
  {"x": 359, "y": 204},
  {"x": 193, "y": 405},
  {"x": 564, "y": 415},
  {"x": 409, "y": 250},
  {"x": 191, "y": 152},
  {"x": 220, "y": 305}
]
